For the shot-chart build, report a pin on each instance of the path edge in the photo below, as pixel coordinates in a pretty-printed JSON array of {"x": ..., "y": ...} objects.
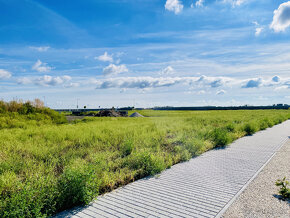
[{"x": 222, "y": 211}]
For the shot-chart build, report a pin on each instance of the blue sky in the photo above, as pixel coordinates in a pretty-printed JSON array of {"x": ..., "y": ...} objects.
[{"x": 145, "y": 52}]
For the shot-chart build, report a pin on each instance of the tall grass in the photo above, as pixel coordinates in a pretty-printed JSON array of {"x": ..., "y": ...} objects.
[{"x": 46, "y": 166}]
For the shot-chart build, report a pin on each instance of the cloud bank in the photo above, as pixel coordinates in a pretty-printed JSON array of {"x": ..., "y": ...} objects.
[{"x": 194, "y": 82}]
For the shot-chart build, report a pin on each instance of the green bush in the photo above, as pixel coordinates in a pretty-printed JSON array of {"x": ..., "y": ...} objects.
[
  {"x": 230, "y": 127},
  {"x": 148, "y": 164},
  {"x": 250, "y": 128},
  {"x": 220, "y": 137}
]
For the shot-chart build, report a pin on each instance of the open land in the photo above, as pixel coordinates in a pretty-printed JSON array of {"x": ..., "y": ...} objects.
[{"x": 48, "y": 165}]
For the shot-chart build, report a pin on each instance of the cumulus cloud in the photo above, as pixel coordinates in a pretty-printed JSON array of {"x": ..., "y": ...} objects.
[
  {"x": 213, "y": 82},
  {"x": 281, "y": 18},
  {"x": 41, "y": 67},
  {"x": 174, "y": 5},
  {"x": 113, "y": 69},
  {"x": 253, "y": 83},
  {"x": 46, "y": 80},
  {"x": 4, "y": 74},
  {"x": 40, "y": 49},
  {"x": 105, "y": 57},
  {"x": 166, "y": 71},
  {"x": 199, "y": 3},
  {"x": 221, "y": 92}
]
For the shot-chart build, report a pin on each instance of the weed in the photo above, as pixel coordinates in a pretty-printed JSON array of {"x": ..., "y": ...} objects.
[
  {"x": 126, "y": 148},
  {"x": 284, "y": 190}
]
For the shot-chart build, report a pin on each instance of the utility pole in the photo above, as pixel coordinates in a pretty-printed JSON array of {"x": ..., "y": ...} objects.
[{"x": 78, "y": 103}]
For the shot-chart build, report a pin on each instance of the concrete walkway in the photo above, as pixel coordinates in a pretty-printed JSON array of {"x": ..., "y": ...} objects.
[
  {"x": 202, "y": 187},
  {"x": 261, "y": 198}
]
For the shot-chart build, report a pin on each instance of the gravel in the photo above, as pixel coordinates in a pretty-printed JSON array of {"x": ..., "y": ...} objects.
[{"x": 261, "y": 198}]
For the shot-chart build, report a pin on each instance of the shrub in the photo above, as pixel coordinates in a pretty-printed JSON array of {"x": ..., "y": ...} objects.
[
  {"x": 148, "y": 163},
  {"x": 250, "y": 128},
  {"x": 230, "y": 127},
  {"x": 220, "y": 137},
  {"x": 284, "y": 190}
]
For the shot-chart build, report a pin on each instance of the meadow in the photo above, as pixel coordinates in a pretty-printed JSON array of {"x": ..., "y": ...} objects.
[{"x": 48, "y": 165}]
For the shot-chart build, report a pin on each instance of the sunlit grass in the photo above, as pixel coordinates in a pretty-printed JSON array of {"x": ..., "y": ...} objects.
[{"x": 47, "y": 167}]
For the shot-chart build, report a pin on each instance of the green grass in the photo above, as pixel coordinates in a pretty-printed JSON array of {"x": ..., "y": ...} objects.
[{"x": 47, "y": 167}]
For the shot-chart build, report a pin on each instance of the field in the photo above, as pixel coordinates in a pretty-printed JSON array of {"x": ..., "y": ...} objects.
[{"x": 48, "y": 165}]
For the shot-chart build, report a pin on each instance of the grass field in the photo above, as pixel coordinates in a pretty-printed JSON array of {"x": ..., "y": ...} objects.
[{"x": 48, "y": 165}]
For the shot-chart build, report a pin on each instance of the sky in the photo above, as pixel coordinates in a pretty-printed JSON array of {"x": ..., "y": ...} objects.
[{"x": 145, "y": 53}]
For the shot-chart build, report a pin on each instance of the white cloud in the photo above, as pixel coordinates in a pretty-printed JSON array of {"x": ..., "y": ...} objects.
[
  {"x": 220, "y": 92},
  {"x": 167, "y": 70},
  {"x": 194, "y": 83},
  {"x": 258, "y": 31},
  {"x": 253, "y": 83},
  {"x": 113, "y": 69},
  {"x": 235, "y": 2},
  {"x": 139, "y": 82},
  {"x": 4, "y": 74},
  {"x": 105, "y": 57},
  {"x": 40, "y": 49},
  {"x": 46, "y": 80},
  {"x": 281, "y": 18},
  {"x": 41, "y": 67},
  {"x": 155, "y": 82},
  {"x": 174, "y": 5},
  {"x": 199, "y": 3},
  {"x": 213, "y": 82}
]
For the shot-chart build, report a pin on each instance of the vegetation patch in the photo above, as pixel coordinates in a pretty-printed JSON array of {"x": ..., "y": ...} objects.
[
  {"x": 48, "y": 165},
  {"x": 284, "y": 190}
]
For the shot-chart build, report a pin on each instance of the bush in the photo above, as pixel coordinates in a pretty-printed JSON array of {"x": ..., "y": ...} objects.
[
  {"x": 230, "y": 127},
  {"x": 148, "y": 163},
  {"x": 250, "y": 128},
  {"x": 284, "y": 190},
  {"x": 220, "y": 137}
]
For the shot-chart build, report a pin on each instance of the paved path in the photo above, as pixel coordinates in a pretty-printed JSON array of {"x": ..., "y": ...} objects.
[
  {"x": 261, "y": 198},
  {"x": 202, "y": 187}
]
